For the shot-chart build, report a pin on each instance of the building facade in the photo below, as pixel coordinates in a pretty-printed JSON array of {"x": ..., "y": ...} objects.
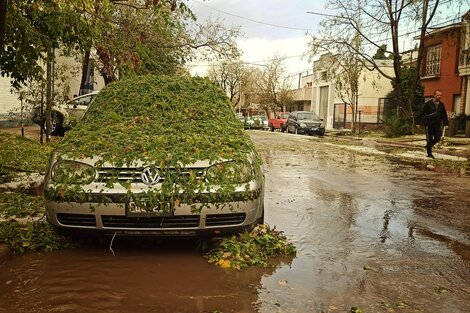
[
  {"x": 71, "y": 70},
  {"x": 328, "y": 99}
]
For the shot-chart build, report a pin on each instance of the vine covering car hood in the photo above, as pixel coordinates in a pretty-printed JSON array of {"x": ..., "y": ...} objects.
[
  {"x": 174, "y": 120},
  {"x": 166, "y": 121}
]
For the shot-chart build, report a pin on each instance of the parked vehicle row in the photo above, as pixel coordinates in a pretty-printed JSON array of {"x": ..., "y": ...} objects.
[
  {"x": 297, "y": 122},
  {"x": 254, "y": 122}
]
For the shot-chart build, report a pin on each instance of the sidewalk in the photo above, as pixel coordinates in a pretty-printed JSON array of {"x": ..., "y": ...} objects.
[{"x": 450, "y": 148}]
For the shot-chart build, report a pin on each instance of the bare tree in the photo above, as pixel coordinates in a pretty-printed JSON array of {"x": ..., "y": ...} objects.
[
  {"x": 230, "y": 76},
  {"x": 273, "y": 90},
  {"x": 359, "y": 29}
]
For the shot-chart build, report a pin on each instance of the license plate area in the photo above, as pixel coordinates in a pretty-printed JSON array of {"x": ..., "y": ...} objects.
[{"x": 144, "y": 208}]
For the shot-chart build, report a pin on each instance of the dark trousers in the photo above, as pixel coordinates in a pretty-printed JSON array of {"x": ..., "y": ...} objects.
[{"x": 433, "y": 135}]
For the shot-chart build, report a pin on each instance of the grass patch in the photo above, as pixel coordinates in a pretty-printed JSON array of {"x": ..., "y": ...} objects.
[
  {"x": 251, "y": 249},
  {"x": 21, "y": 155}
]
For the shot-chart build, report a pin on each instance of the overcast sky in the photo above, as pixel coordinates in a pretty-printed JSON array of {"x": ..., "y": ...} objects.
[
  {"x": 280, "y": 26},
  {"x": 269, "y": 27}
]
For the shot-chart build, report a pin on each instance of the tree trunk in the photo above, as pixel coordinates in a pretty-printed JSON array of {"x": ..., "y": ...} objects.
[
  {"x": 414, "y": 82},
  {"x": 50, "y": 56},
  {"x": 86, "y": 61},
  {"x": 3, "y": 16},
  {"x": 107, "y": 70}
]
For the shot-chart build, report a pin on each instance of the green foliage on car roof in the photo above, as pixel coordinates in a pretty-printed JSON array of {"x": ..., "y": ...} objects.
[
  {"x": 167, "y": 122},
  {"x": 159, "y": 118}
]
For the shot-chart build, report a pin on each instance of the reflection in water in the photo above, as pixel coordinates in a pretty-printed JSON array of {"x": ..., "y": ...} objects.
[{"x": 137, "y": 279}]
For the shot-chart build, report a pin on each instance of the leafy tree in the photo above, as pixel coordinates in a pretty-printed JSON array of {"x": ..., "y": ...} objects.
[
  {"x": 380, "y": 54},
  {"x": 160, "y": 37},
  {"x": 32, "y": 29},
  {"x": 408, "y": 74}
]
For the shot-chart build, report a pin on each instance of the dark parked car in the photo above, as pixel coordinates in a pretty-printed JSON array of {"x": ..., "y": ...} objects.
[
  {"x": 157, "y": 155},
  {"x": 305, "y": 122}
]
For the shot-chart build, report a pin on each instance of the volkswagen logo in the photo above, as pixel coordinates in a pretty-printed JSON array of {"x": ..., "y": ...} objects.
[{"x": 150, "y": 176}]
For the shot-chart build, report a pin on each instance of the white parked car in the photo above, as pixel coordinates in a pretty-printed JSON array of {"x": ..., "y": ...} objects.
[
  {"x": 157, "y": 155},
  {"x": 64, "y": 116}
]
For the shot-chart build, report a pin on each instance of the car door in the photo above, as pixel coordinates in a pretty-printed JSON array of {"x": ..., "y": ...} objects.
[{"x": 291, "y": 122}]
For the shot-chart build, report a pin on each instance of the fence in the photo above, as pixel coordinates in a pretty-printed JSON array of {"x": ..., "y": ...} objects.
[{"x": 367, "y": 115}]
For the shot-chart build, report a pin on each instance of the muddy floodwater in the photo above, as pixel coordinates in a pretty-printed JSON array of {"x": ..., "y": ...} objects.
[{"x": 371, "y": 232}]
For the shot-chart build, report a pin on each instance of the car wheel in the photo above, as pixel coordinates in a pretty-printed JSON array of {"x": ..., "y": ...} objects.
[
  {"x": 296, "y": 130},
  {"x": 56, "y": 125},
  {"x": 281, "y": 127},
  {"x": 261, "y": 218},
  {"x": 287, "y": 129},
  {"x": 271, "y": 128}
]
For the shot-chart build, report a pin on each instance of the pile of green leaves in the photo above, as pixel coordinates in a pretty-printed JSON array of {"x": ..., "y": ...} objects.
[
  {"x": 251, "y": 249},
  {"x": 20, "y": 205},
  {"x": 164, "y": 121},
  {"x": 20, "y": 226},
  {"x": 32, "y": 236},
  {"x": 21, "y": 155}
]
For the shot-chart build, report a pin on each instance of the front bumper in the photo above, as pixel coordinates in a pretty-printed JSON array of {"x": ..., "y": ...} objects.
[
  {"x": 212, "y": 220},
  {"x": 311, "y": 130}
]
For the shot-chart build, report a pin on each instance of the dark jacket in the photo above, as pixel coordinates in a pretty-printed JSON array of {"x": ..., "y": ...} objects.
[{"x": 430, "y": 116}]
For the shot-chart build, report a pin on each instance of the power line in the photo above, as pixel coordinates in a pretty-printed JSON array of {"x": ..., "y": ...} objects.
[{"x": 252, "y": 20}]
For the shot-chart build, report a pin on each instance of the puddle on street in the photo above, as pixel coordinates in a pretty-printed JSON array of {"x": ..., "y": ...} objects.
[
  {"x": 369, "y": 233},
  {"x": 139, "y": 278}
]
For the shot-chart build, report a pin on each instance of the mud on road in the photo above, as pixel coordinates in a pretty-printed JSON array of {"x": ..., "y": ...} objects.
[{"x": 371, "y": 232}]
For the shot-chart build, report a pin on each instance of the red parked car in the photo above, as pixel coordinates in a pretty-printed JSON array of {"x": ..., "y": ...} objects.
[{"x": 279, "y": 122}]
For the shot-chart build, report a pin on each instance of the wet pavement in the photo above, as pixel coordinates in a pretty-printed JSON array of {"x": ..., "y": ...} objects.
[{"x": 371, "y": 232}]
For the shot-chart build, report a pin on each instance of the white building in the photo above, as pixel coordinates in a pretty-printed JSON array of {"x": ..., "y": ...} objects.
[
  {"x": 9, "y": 100},
  {"x": 327, "y": 102}
]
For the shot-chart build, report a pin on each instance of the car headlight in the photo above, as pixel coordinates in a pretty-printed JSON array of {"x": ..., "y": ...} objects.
[
  {"x": 231, "y": 172},
  {"x": 303, "y": 125},
  {"x": 72, "y": 172}
]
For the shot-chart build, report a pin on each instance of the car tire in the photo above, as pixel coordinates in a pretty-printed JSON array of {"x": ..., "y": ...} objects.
[
  {"x": 281, "y": 127},
  {"x": 57, "y": 128},
  {"x": 261, "y": 218},
  {"x": 271, "y": 128},
  {"x": 296, "y": 131}
]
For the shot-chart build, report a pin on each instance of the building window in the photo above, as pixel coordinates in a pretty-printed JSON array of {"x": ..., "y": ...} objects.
[
  {"x": 433, "y": 61},
  {"x": 323, "y": 75}
]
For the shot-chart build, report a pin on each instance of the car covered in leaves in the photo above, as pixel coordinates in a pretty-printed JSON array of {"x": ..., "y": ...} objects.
[{"x": 157, "y": 155}]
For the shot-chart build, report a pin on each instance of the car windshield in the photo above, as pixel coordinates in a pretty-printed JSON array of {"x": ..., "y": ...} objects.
[
  {"x": 307, "y": 116},
  {"x": 284, "y": 115}
]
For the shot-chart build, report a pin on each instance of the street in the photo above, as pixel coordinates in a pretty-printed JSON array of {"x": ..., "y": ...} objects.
[{"x": 371, "y": 232}]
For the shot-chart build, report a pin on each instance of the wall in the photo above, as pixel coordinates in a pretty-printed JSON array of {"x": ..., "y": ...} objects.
[
  {"x": 449, "y": 80},
  {"x": 9, "y": 101},
  {"x": 372, "y": 87}
]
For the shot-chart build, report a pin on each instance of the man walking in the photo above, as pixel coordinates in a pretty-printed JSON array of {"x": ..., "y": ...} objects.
[{"x": 433, "y": 116}]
